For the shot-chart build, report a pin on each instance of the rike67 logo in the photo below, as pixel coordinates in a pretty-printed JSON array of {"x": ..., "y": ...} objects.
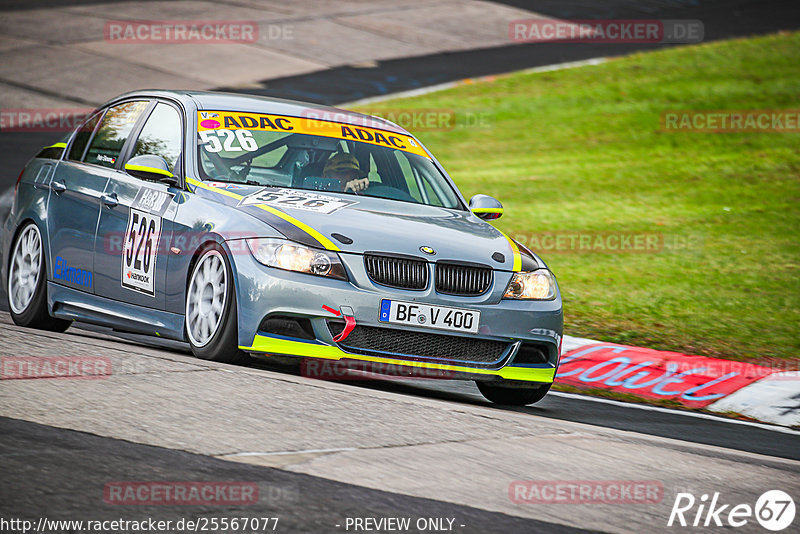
[{"x": 774, "y": 510}]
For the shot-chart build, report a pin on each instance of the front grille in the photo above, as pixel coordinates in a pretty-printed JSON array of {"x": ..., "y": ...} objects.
[
  {"x": 371, "y": 340},
  {"x": 402, "y": 273},
  {"x": 462, "y": 280}
]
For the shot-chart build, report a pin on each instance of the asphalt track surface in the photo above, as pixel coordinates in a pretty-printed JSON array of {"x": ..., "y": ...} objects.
[
  {"x": 676, "y": 424},
  {"x": 62, "y": 441},
  {"x": 75, "y": 465},
  {"x": 722, "y": 19},
  {"x": 323, "y": 451}
]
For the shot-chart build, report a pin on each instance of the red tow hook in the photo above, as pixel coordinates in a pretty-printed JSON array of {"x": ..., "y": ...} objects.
[{"x": 349, "y": 322}]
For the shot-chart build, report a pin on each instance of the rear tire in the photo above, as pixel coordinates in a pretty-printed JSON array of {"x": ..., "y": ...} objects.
[
  {"x": 512, "y": 396},
  {"x": 211, "y": 320},
  {"x": 27, "y": 283}
]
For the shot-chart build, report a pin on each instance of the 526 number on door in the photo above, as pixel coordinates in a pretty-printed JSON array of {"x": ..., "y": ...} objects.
[{"x": 141, "y": 250}]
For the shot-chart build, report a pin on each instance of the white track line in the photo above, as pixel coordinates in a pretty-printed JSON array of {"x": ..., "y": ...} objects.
[
  {"x": 697, "y": 415},
  {"x": 449, "y": 85},
  {"x": 283, "y": 453}
]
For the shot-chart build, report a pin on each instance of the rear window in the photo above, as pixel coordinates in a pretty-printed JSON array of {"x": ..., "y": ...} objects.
[
  {"x": 113, "y": 132},
  {"x": 82, "y": 137}
]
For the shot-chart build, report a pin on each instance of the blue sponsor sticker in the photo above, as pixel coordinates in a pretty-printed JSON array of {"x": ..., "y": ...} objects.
[
  {"x": 62, "y": 271},
  {"x": 386, "y": 306}
]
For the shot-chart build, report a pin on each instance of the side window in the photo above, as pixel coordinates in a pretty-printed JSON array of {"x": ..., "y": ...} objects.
[
  {"x": 409, "y": 176},
  {"x": 161, "y": 135},
  {"x": 374, "y": 176},
  {"x": 113, "y": 132},
  {"x": 82, "y": 137}
]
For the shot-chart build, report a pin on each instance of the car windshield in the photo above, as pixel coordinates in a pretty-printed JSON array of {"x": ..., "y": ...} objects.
[{"x": 300, "y": 153}]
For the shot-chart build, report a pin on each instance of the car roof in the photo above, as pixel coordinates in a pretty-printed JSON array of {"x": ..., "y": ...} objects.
[{"x": 220, "y": 101}]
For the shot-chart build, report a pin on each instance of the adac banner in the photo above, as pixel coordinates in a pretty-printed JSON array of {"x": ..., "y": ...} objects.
[
  {"x": 694, "y": 381},
  {"x": 235, "y": 120}
]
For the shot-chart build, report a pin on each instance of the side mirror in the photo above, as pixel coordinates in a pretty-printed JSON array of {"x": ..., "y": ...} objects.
[
  {"x": 486, "y": 207},
  {"x": 149, "y": 167}
]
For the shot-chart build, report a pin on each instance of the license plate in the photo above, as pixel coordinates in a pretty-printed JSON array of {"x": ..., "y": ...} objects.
[{"x": 429, "y": 316}]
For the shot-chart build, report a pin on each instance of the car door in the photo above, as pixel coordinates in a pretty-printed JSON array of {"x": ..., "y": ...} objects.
[
  {"x": 135, "y": 225},
  {"x": 76, "y": 190}
]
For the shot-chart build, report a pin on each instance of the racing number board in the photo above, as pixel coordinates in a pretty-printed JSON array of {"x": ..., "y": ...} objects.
[{"x": 142, "y": 235}]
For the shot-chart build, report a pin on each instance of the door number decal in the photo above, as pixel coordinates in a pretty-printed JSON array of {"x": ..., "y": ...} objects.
[{"x": 141, "y": 250}]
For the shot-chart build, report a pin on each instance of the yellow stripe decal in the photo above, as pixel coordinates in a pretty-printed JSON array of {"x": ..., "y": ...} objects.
[
  {"x": 517, "y": 265},
  {"x": 57, "y": 145},
  {"x": 324, "y": 241},
  {"x": 198, "y": 183},
  {"x": 327, "y": 243},
  {"x": 487, "y": 210},
  {"x": 328, "y": 352},
  {"x": 145, "y": 168}
]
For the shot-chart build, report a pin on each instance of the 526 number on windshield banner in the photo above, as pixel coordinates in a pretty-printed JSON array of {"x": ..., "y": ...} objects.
[{"x": 141, "y": 250}]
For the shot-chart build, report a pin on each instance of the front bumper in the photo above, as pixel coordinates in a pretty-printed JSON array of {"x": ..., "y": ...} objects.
[{"x": 511, "y": 330}]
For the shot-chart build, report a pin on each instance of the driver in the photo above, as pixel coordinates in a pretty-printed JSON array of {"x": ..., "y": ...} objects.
[{"x": 345, "y": 168}]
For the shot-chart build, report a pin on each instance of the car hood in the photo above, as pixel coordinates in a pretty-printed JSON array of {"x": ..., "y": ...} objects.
[{"x": 387, "y": 226}]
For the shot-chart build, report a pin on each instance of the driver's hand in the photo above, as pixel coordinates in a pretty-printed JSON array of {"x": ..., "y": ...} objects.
[{"x": 357, "y": 185}]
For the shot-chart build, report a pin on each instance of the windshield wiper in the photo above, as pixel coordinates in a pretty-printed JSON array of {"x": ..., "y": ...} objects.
[
  {"x": 253, "y": 182},
  {"x": 245, "y": 182}
]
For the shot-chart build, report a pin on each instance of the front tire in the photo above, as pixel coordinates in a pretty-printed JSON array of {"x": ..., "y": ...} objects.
[
  {"x": 211, "y": 321},
  {"x": 513, "y": 396},
  {"x": 27, "y": 283}
]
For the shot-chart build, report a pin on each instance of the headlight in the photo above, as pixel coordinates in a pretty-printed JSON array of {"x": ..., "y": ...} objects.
[
  {"x": 295, "y": 257},
  {"x": 533, "y": 285}
]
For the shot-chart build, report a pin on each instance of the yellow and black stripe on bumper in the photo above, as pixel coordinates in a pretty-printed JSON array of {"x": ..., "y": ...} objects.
[{"x": 277, "y": 346}]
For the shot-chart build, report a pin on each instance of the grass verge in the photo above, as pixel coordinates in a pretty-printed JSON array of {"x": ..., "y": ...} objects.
[{"x": 582, "y": 152}]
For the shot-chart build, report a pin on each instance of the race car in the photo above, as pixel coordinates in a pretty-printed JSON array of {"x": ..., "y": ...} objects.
[{"x": 254, "y": 226}]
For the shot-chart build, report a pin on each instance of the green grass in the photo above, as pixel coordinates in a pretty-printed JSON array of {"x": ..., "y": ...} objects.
[{"x": 583, "y": 150}]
